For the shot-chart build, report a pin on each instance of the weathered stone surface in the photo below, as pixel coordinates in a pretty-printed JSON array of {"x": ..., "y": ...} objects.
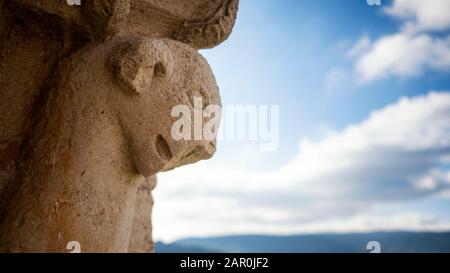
[
  {"x": 94, "y": 143},
  {"x": 85, "y": 100},
  {"x": 200, "y": 23},
  {"x": 141, "y": 233}
]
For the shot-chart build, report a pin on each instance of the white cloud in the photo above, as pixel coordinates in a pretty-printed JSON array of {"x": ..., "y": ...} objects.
[
  {"x": 361, "y": 46},
  {"x": 435, "y": 180},
  {"x": 422, "y": 15},
  {"x": 394, "y": 155},
  {"x": 410, "y": 52},
  {"x": 403, "y": 54}
]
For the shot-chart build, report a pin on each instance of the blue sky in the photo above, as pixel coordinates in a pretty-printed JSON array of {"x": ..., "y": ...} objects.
[{"x": 329, "y": 65}]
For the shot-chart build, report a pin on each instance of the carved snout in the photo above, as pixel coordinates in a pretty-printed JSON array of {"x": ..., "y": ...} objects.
[
  {"x": 204, "y": 150},
  {"x": 138, "y": 62},
  {"x": 191, "y": 154},
  {"x": 172, "y": 154}
]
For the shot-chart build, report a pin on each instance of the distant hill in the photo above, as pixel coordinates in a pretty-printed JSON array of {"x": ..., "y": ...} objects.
[
  {"x": 180, "y": 248},
  {"x": 391, "y": 242}
]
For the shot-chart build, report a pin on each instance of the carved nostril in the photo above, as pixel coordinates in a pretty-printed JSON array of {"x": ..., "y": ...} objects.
[{"x": 162, "y": 148}]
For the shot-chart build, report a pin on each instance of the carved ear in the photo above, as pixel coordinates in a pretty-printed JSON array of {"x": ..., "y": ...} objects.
[{"x": 138, "y": 62}]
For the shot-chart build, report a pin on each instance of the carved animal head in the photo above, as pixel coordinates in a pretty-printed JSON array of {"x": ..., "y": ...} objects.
[{"x": 157, "y": 75}]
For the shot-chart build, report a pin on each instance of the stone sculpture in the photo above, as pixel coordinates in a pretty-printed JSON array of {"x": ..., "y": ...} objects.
[{"x": 85, "y": 115}]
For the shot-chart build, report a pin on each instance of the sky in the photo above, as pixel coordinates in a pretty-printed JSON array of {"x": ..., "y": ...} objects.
[{"x": 364, "y": 124}]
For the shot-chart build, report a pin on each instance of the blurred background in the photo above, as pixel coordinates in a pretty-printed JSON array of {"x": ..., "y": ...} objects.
[{"x": 364, "y": 134}]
